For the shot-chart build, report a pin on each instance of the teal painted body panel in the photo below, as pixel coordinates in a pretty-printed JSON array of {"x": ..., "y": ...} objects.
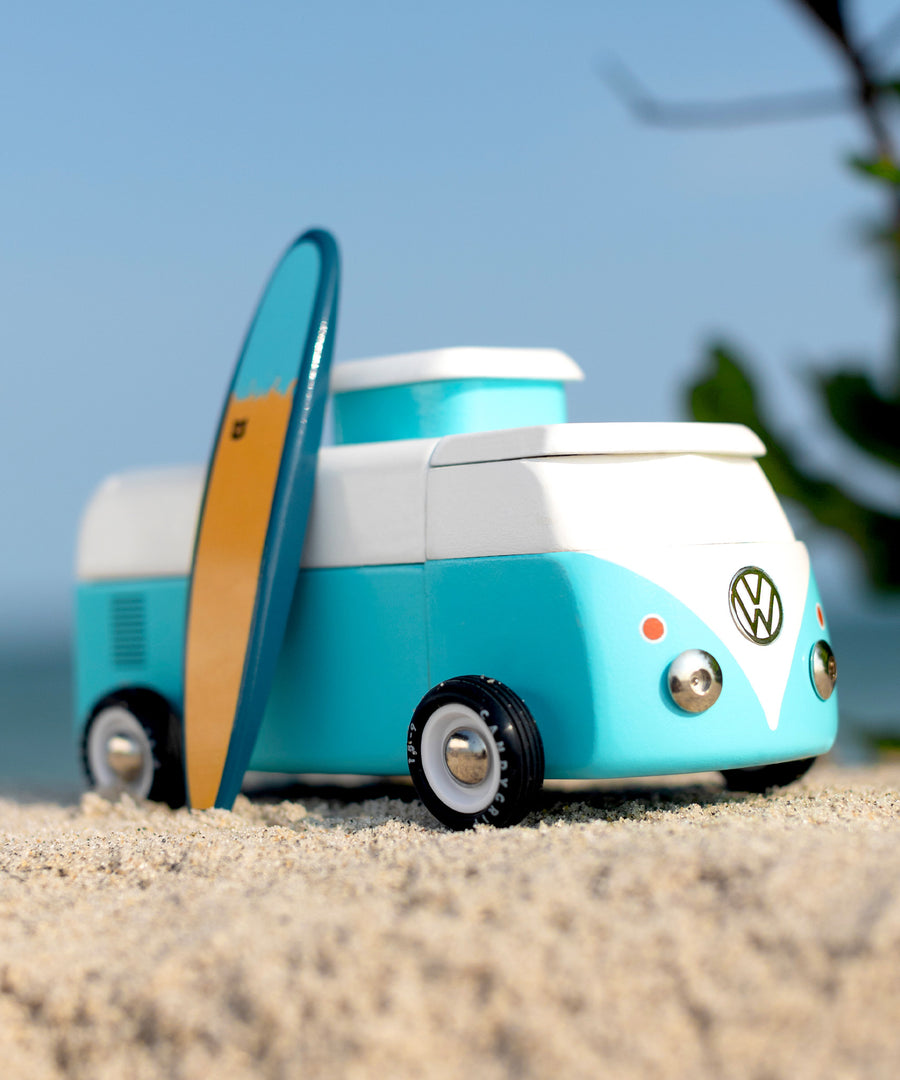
[
  {"x": 519, "y": 619},
  {"x": 641, "y": 731},
  {"x": 363, "y": 644},
  {"x": 352, "y": 670},
  {"x": 446, "y": 407},
  {"x": 129, "y": 633},
  {"x": 562, "y": 630},
  {"x": 807, "y": 726}
]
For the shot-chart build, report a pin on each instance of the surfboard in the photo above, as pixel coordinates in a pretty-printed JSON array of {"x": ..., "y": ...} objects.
[{"x": 253, "y": 516}]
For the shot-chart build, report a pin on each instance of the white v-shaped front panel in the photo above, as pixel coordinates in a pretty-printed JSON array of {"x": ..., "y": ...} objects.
[{"x": 701, "y": 577}]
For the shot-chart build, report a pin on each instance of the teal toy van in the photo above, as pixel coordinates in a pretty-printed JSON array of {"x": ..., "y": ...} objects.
[{"x": 488, "y": 596}]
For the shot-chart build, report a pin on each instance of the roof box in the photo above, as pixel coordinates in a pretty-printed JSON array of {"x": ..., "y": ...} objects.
[{"x": 449, "y": 392}]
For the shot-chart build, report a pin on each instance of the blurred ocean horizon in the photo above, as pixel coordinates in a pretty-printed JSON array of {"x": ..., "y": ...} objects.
[
  {"x": 41, "y": 755},
  {"x": 39, "y": 758}
]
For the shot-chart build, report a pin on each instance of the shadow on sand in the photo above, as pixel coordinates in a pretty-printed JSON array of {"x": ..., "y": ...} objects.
[{"x": 608, "y": 800}]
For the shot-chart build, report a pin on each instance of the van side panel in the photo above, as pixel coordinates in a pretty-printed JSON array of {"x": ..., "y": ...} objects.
[
  {"x": 351, "y": 672},
  {"x": 519, "y": 619},
  {"x": 352, "y": 669},
  {"x": 128, "y": 633}
]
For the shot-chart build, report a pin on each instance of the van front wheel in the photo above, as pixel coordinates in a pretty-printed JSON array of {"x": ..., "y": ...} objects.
[{"x": 475, "y": 754}]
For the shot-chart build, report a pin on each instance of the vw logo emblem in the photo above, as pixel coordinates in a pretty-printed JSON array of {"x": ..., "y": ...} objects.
[{"x": 755, "y": 605}]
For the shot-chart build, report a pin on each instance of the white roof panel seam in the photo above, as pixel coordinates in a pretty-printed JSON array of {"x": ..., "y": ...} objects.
[{"x": 596, "y": 440}]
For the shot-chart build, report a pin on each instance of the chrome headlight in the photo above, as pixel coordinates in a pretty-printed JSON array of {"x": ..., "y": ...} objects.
[
  {"x": 823, "y": 669},
  {"x": 695, "y": 680}
]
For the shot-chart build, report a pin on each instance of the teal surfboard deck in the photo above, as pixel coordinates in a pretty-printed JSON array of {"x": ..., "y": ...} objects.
[{"x": 253, "y": 517}]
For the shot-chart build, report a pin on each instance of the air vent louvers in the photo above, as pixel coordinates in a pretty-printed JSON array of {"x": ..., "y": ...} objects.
[{"x": 128, "y": 630}]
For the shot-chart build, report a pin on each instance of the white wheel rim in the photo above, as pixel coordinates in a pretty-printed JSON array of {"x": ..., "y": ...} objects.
[
  {"x": 112, "y": 722},
  {"x": 464, "y": 798}
]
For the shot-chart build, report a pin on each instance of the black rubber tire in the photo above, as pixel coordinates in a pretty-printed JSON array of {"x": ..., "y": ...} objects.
[
  {"x": 764, "y": 777},
  {"x": 516, "y": 738},
  {"x": 162, "y": 725}
]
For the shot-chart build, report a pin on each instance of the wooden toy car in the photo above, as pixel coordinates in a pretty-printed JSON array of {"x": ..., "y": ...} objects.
[{"x": 488, "y": 596}]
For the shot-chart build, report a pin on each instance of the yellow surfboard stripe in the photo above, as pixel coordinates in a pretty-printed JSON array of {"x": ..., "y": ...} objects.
[{"x": 227, "y": 561}]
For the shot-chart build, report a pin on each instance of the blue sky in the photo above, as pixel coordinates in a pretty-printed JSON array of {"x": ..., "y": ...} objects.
[{"x": 485, "y": 187}]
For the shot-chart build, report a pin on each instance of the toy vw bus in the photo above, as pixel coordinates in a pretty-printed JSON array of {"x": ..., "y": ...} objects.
[{"x": 488, "y": 596}]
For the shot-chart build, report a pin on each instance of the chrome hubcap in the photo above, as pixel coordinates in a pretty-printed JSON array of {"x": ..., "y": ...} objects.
[
  {"x": 119, "y": 752},
  {"x": 466, "y": 755},
  {"x": 124, "y": 758}
]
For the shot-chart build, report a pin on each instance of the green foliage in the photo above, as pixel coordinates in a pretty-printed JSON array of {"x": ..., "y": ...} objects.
[
  {"x": 726, "y": 393},
  {"x": 878, "y": 168},
  {"x": 862, "y": 414},
  {"x": 854, "y": 405}
]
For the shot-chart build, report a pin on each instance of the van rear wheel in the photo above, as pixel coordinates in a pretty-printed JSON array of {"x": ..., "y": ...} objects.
[
  {"x": 132, "y": 744},
  {"x": 475, "y": 754}
]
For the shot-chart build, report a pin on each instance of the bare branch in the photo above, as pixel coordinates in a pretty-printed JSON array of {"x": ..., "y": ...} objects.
[
  {"x": 761, "y": 109},
  {"x": 829, "y": 14}
]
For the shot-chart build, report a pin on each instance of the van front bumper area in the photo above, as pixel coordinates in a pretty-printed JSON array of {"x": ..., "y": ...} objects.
[{"x": 748, "y": 685}]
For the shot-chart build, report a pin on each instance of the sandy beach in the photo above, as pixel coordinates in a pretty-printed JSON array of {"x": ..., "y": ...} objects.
[{"x": 629, "y": 932}]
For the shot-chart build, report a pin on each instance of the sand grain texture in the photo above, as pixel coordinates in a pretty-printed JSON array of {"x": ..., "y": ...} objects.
[{"x": 682, "y": 933}]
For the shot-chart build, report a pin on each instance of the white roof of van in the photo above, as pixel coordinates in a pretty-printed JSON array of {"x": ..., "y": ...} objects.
[
  {"x": 549, "y": 365},
  {"x": 141, "y": 522},
  {"x": 369, "y": 506},
  {"x": 566, "y": 440}
]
